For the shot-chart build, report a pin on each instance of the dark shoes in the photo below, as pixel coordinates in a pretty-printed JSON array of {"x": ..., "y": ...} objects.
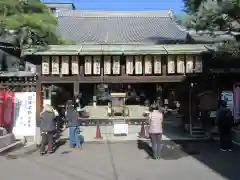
[{"x": 43, "y": 153}]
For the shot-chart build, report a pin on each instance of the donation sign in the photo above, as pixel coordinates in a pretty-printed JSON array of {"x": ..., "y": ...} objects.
[
  {"x": 24, "y": 114},
  {"x": 119, "y": 129}
]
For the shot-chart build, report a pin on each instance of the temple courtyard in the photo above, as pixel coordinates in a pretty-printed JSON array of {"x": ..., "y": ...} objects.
[{"x": 126, "y": 160}]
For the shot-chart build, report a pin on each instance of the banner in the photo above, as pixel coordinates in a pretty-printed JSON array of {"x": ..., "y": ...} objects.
[
  {"x": 24, "y": 114},
  {"x": 6, "y": 109}
]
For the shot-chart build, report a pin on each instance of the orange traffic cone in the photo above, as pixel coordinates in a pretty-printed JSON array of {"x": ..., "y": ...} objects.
[
  {"x": 98, "y": 133},
  {"x": 142, "y": 133}
]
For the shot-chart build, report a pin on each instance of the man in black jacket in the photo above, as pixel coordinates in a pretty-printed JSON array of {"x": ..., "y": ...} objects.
[
  {"x": 47, "y": 128},
  {"x": 225, "y": 122},
  {"x": 73, "y": 125}
]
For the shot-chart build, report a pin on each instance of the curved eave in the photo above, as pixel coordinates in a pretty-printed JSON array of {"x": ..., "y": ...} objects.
[{"x": 133, "y": 49}]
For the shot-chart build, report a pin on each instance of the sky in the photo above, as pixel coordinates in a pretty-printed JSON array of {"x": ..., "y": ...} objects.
[{"x": 125, "y": 5}]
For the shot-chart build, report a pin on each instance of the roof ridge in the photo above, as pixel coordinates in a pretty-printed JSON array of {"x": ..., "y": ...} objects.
[{"x": 91, "y": 13}]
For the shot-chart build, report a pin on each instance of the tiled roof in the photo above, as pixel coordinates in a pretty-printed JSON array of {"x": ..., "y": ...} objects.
[
  {"x": 66, "y": 6},
  {"x": 119, "y": 27}
]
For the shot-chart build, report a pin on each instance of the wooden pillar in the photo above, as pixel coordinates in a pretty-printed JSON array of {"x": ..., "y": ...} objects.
[
  {"x": 123, "y": 66},
  {"x": 81, "y": 65},
  {"x": 76, "y": 88},
  {"x": 38, "y": 97},
  {"x": 164, "y": 65}
]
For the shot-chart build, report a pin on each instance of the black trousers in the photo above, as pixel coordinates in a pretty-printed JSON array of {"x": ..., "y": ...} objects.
[
  {"x": 47, "y": 139},
  {"x": 156, "y": 144},
  {"x": 225, "y": 138}
]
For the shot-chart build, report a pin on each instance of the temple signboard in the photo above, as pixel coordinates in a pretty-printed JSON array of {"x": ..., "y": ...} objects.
[
  {"x": 116, "y": 65},
  {"x": 147, "y": 65},
  {"x": 189, "y": 63},
  {"x": 107, "y": 65},
  {"x": 170, "y": 65},
  {"x": 75, "y": 65},
  {"x": 138, "y": 65},
  {"x": 96, "y": 65},
  {"x": 198, "y": 64},
  {"x": 55, "y": 65},
  {"x": 129, "y": 65},
  {"x": 157, "y": 65},
  {"x": 65, "y": 65},
  {"x": 88, "y": 65},
  {"x": 45, "y": 65},
  {"x": 180, "y": 64}
]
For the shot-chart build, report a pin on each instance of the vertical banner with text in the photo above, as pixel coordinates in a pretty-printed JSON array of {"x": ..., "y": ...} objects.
[{"x": 24, "y": 114}]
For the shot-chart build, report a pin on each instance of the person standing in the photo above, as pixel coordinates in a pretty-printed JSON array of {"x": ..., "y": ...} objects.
[
  {"x": 73, "y": 125},
  {"x": 224, "y": 122},
  {"x": 155, "y": 130},
  {"x": 47, "y": 128}
]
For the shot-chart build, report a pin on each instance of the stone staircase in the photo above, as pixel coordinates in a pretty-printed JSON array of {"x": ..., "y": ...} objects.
[{"x": 197, "y": 131}]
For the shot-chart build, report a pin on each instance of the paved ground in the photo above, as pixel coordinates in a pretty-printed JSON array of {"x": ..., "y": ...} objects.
[
  {"x": 124, "y": 161},
  {"x": 89, "y": 133}
]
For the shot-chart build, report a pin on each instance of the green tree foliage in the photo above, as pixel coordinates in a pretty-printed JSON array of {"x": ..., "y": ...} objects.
[
  {"x": 216, "y": 15},
  {"x": 191, "y": 6},
  {"x": 27, "y": 22}
]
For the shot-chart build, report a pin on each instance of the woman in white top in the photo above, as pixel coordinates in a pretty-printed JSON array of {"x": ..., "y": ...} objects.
[{"x": 155, "y": 130}]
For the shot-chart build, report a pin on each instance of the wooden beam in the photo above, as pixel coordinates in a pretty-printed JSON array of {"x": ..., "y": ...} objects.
[
  {"x": 58, "y": 79},
  {"x": 112, "y": 79}
]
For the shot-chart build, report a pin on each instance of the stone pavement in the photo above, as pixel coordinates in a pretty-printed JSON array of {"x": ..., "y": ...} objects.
[
  {"x": 125, "y": 161},
  {"x": 89, "y": 132}
]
